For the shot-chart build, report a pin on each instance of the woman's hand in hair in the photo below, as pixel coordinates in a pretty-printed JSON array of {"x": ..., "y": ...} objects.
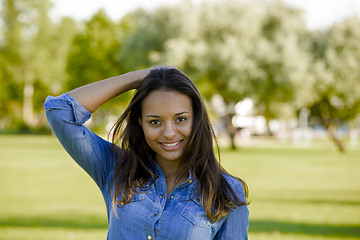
[{"x": 141, "y": 74}]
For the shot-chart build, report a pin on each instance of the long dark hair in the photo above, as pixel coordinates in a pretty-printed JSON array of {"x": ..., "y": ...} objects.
[{"x": 135, "y": 165}]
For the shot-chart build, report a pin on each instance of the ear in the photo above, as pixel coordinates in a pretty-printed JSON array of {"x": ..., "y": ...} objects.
[{"x": 140, "y": 122}]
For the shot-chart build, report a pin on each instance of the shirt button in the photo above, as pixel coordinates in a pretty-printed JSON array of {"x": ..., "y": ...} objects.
[
  {"x": 149, "y": 237},
  {"x": 190, "y": 181},
  {"x": 156, "y": 214},
  {"x": 172, "y": 197},
  {"x": 161, "y": 196}
]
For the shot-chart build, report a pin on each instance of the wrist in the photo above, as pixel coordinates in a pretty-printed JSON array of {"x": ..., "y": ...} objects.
[{"x": 135, "y": 78}]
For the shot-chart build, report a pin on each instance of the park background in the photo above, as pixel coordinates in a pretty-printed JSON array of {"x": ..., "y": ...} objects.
[{"x": 283, "y": 95}]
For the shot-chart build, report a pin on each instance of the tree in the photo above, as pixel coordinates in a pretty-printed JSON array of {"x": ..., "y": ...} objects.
[
  {"x": 93, "y": 52},
  {"x": 245, "y": 49},
  {"x": 10, "y": 62},
  {"x": 61, "y": 40},
  {"x": 337, "y": 76},
  {"x": 31, "y": 53},
  {"x": 144, "y": 45},
  {"x": 283, "y": 85}
]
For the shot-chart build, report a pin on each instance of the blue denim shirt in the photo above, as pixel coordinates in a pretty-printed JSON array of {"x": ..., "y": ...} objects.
[{"x": 150, "y": 215}]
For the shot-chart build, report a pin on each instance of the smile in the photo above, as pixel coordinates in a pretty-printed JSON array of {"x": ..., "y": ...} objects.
[{"x": 171, "y": 144}]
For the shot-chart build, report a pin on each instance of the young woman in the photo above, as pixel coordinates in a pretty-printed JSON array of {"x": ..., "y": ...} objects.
[{"x": 159, "y": 177}]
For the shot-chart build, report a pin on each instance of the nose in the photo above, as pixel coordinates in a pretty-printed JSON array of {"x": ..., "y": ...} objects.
[{"x": 169, "y": 131}]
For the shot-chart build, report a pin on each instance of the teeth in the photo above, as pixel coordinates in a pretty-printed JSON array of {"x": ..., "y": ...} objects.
[{"x": 171, "y": 144}]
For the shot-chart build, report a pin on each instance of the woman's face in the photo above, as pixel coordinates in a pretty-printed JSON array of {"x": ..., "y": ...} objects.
[{"x": 166, "y": 119}]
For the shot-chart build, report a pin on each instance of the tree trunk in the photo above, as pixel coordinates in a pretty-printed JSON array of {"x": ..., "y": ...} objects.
[
  {"x": 28, "y": 111},
  {"x": 332, "y": 132},
  {"x": 232, "y": 138},
  {"x": 231, "y": 130}
]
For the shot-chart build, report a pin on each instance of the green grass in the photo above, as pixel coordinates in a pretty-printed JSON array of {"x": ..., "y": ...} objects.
[{"x": 295, "y": 193}]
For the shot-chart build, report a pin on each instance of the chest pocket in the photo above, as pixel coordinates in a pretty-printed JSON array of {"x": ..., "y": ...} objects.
[
  {"x": 129, "y": 218},
  {"x": 195, "y": 213},
  {"x": 133, "y": 213},
  {"x": 136, "y": 204}
]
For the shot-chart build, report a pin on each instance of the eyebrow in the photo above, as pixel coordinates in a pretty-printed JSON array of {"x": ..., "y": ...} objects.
[{"x": 155, "y": 116}]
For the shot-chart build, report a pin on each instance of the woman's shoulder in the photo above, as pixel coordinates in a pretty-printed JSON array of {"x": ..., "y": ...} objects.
[{"x": 236, "y": 183}]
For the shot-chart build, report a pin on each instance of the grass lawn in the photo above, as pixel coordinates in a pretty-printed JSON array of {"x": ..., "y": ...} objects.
[{"x": 295, "y": 193}]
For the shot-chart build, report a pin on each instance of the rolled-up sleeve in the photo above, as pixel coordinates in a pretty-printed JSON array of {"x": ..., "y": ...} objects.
[{"x": 66, "y": 117}]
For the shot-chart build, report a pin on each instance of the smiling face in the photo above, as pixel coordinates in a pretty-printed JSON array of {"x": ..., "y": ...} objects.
[{"x": 166, "y": 119}]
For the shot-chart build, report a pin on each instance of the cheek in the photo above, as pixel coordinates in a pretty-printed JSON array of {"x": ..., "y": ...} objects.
[
  {"x": 186, "y": 130},
  {"x": 150, "y": 135}
]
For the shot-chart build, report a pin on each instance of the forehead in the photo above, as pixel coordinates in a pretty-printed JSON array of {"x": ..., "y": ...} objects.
[{"x": 166, "y": 102}]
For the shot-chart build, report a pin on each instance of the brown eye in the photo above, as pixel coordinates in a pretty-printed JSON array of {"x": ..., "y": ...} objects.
[
  {"x": 154, "y": 122},
  {"x": 181, "y": 119}
]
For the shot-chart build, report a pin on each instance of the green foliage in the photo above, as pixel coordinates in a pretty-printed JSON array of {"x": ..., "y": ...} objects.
[
  {"x": 144, "y": 45},
  {"x": 33, "y": 54},
  {"x": 93, "y": 52},
  {"x": 9, "y": 60},
  {"x": 337, "y": 73},
  {"x": 62, "y": 36},
  {"x": 281, "y": 86},
  {"x": 95, "y": 55},
  {"x": 245, "y": 49},
  {"x": 213, "y": 45}
]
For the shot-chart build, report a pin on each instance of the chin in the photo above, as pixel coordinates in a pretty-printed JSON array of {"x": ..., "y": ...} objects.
[{"x": 172, "y": 158}]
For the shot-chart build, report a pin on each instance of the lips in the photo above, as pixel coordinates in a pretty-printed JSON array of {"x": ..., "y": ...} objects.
[{"x": 171, "y": 146}]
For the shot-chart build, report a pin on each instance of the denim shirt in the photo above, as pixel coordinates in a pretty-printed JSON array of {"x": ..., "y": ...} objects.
[{"x": 150, "y": 215}]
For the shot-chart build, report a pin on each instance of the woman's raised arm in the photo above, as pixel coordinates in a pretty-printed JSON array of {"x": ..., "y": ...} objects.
[{"x": 93, "y": 95}]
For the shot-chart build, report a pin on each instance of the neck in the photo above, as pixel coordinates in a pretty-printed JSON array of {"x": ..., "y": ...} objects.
[{"x": 169, "y": 168}]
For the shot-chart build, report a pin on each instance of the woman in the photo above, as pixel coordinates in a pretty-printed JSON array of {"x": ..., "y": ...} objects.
[{"x": 159, "y": 177}]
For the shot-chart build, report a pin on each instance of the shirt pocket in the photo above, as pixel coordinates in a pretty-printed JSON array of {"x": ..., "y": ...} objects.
[
  {"x": 130, "y": 219},
  {"x": 195, "y": 214},
  {"x": 135, "y": 210}
]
